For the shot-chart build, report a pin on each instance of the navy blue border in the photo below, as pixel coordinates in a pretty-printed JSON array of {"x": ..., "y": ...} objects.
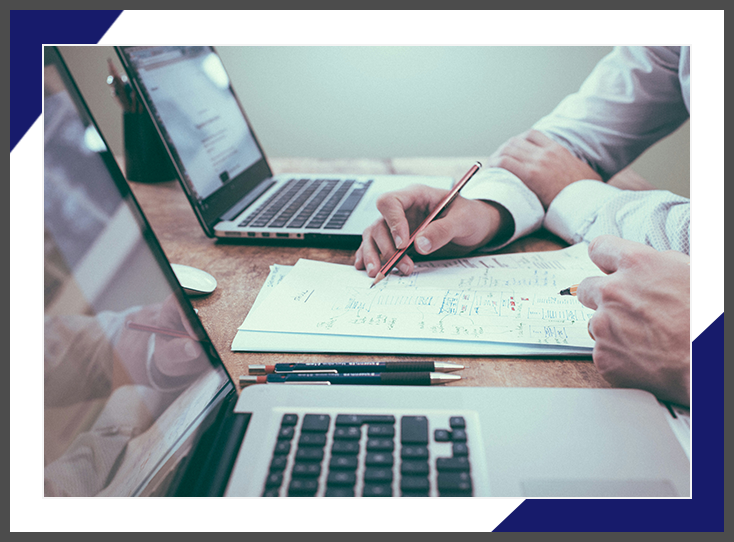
[{"x": 30, "y": 29}]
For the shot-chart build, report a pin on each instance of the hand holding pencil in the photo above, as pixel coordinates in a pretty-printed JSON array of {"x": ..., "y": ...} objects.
[{"x": 460, "y": 228}]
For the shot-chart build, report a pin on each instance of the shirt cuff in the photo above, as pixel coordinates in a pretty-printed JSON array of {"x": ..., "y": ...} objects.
[
  {"x": 501, "y": 186},
  {"x": 575, "y": 208}
]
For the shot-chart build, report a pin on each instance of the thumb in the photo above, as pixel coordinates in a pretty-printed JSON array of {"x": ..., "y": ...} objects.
[{"x": 437, "y": 234}]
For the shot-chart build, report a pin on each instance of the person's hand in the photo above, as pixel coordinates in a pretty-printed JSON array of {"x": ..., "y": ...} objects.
[
  {"x": 464, "y": 226},
  {"x": 172, "y": 356},
  {"x": 545, "y": 166},
  {"x": 641, "y": 326}
]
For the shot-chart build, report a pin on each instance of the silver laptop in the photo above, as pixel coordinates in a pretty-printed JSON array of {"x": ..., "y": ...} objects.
[
  {"x": 223, "y": 168},
  {"x": 138, "y": 402}
]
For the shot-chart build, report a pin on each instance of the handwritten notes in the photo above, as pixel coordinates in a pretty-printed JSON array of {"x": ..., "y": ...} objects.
[{"x": 510, "y": 298}]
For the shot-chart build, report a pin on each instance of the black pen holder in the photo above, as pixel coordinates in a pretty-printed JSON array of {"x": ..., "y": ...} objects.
[{"x": 146, "y": 159}]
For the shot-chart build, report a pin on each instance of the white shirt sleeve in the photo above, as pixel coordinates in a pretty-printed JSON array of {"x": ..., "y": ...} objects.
[
  {"x": 586, "y": 209},
  {"x": 634, "y": 97},
  {"x": 503, "y": 187}
]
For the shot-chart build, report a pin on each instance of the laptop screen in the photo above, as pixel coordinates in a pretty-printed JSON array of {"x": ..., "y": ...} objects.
[
  {"x": 129, "y": 372},
  {"x": 188, "y": 94}
]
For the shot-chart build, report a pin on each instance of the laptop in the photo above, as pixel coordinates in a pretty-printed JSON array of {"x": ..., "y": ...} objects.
[
  {"x": 137, "y": 401},
  {"x": 222, "y": 166}
]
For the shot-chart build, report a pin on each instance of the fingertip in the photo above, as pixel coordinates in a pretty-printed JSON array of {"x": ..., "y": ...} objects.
[
  {"x": 405, "y": 267},
  {"x": 190, "y": 349},
  {"x": 398, "y": 240}
]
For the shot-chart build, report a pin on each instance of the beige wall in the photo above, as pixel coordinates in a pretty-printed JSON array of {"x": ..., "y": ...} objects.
[{"x": 340, "y": 102}]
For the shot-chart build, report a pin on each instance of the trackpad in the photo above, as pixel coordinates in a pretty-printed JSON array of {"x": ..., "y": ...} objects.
[{"x": 598, "y": 488}]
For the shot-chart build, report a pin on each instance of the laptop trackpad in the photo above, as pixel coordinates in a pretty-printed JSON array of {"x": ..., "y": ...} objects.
[{"x": 598, "y": 488}]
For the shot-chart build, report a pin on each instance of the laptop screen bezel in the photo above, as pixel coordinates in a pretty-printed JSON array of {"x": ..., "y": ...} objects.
[{"x": 211, "y": 210}]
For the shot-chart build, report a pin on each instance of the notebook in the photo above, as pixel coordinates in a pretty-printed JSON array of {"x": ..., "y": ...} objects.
[
  {"x": 137, "y": 401},
  {"x": 222, "y": 166}
]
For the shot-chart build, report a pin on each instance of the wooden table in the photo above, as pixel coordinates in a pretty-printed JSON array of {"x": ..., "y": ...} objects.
[{"x": 242, "y": 267}]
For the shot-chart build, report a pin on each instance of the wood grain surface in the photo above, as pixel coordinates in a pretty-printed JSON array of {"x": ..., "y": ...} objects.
[{"x": 241, "y": 268}]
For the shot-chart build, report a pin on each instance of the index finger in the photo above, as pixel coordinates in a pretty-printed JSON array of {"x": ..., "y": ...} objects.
[
  {"x": 588, "y": 292},
  {"x": 608, "y": 252},
  {"x": 392, "y": 206}
]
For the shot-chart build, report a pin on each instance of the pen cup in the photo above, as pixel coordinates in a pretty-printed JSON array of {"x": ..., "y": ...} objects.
[{"x": 146, "y": 160}]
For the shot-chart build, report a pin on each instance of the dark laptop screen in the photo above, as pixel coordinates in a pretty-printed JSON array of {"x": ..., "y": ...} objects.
[{"x": 129, "y": 371}]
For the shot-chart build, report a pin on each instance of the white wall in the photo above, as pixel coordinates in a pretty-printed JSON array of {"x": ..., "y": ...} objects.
[{"x": 378, "y": 102}]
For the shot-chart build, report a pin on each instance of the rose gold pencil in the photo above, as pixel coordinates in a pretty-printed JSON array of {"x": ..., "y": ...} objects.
[
  {"x": 160, "y": 330},
  {"x": 443, "y": 204}
]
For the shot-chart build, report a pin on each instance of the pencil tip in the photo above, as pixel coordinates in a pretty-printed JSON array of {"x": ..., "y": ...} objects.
[{"x": 378, "y": 278}]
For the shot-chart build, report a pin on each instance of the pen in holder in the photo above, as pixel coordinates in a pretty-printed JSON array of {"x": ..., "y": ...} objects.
[{"x": 146, "y": 160}]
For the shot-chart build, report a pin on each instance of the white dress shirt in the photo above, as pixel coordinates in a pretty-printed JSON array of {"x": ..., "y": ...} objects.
[{"x": 634, "y": 97}]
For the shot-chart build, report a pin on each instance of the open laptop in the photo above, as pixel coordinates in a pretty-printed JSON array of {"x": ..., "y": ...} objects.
[
  {"x": 137, "y": 401},
  {"x": 223, "y": 169}
]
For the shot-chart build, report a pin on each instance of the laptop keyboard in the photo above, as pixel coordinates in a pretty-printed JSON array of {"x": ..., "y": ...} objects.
[
  {"x": 310, "y": 204},
  {"x": 369, "y": 456}
]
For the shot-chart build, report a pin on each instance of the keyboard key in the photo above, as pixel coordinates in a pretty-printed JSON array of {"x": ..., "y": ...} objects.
[
  {"x": 306, "y": 470},
  {"x": 286, "y": 433},
  {"x": 457, "y": 422},
  {"x": 339, "y": 492},
  {"x": 303, "y": 487},
  {"x": 414, "y": 430},
  {"x": 289, "y": 419},
  {"x": 460, "y": 449},
  {"x": 309, "y": 454},
  {"x": 343, "y": 462},
  {"x": 347, "y": 433},
  {"x": 272, "y": 492},
  {"x": 454, "y": 482},
  {"x": 378, "y": 459},
  {"x": 414, "y": 452},
  {"x": 347, "y": 447},
  {"x": 312, "y": 439},
  {"x": 378, "y": 475},
  {"x": 282, "y": 447},
  {"x": 341, "y": 478},
  {"x": 414, "y": 467},
  {"x": 414, "y": 483},
  {"x": 452, "y": 464},
  {"x": 274, "y": 479},
  {"x": 458, "y": 435},
  {"x": 377, "y": 490},
  {"x": 278, "y": 463},
  {"x": 441, "y": 435},
  {"x": 316, "y": 423},
  {"x": 359, "y": 419},
  {"x": 380, "y": 445},
  {"x": 381, "y": 431}
]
